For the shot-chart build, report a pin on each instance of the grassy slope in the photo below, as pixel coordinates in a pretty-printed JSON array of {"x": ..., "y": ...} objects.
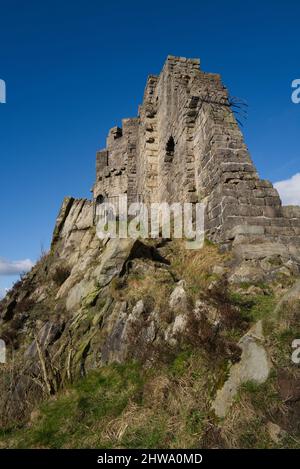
[
  {"x": 168, "y": 406},
  {"x": 126, "y": 406}
]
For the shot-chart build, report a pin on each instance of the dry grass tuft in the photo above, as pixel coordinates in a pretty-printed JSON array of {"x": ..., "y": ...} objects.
[{"x": 195, "y": 266}]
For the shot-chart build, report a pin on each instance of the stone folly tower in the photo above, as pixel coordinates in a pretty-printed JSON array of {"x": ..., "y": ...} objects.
[{"x": 186, "y": 146}]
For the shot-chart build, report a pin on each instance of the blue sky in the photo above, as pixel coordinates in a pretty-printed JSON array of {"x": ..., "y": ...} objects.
[{"x": 73, "y": 69}]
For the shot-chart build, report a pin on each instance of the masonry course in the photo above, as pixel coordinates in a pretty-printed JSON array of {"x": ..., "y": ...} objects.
[{"x": 186, "y": 146}]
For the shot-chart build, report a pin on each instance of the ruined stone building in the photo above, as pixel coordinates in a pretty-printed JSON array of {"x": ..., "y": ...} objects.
[{"x": 186, "y": 145}]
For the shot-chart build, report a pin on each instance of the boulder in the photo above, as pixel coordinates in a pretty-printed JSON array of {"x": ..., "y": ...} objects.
[
  {"x": 253, "y": 366},
  {"x": 178, "y": 299}
]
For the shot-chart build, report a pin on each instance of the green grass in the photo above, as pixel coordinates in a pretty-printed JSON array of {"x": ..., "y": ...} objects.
[
  {"x": 150, "y": 434},
  {"x": 68, "y": 419},
  {"x": 169, "y": 405},
  {"x": 262, "y": 396},
  {"x": 256, "y": 307},
  {"x": 180, "y": 363},
  {"x": 253, "y": 434},
  {"x": 121, "y": 406},
  {"x": 124, "y": 406}
]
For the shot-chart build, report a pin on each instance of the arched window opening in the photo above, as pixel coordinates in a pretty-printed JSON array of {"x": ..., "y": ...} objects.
[
  {"x": 98, "y": 207},
  {"x": 170, "y": 149},
  {"x": 99, "y": 199}
]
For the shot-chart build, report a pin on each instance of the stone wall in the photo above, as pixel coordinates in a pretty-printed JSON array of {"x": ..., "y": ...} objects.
[
  {"x": 116, "y": 165},
  {"x": 186, "y": 146}
]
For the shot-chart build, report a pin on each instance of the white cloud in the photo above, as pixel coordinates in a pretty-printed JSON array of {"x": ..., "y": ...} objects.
[
  {"x": 289, "y": 190},
  {"x": 15, "y": 267}
]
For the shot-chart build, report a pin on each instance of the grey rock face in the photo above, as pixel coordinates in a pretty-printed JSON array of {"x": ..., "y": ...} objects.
[
  {"x": 253, "y": 366},
  {"x": 48, "y": 334},
  {"x": 178, "y": 298},
  {"x": 116, "y": 253}
]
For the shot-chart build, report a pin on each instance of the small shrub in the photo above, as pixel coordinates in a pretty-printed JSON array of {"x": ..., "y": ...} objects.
[
  {"x": 180, "y": 363},
  {"x": 254, "y": 307},
  {"x": 229, "y": 312},
  {"x": 117, "y": 286},
  {"x": 60, "y": 275},
  {"x": 24, "y": 306},
  {"x": 195, "y": 266}
]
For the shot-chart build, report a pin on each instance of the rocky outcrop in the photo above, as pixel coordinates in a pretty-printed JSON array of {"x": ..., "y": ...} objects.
[{"x": 90, "y": 303}]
